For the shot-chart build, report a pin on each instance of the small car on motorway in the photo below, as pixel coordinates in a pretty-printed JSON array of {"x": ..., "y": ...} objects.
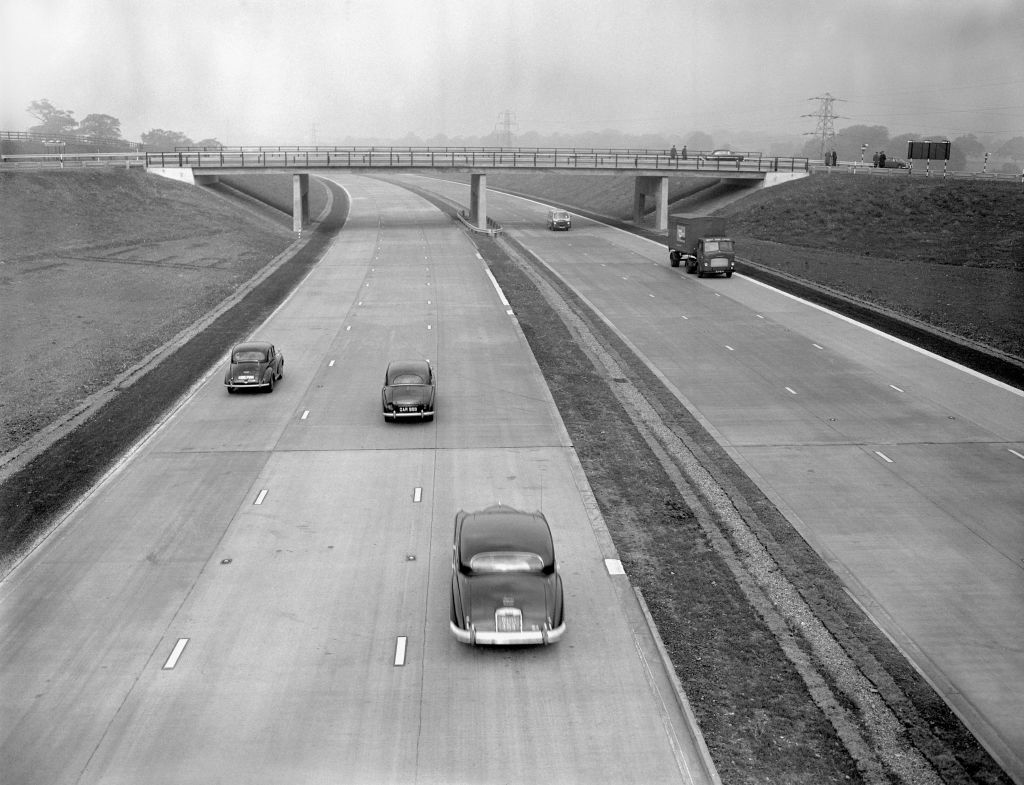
[
  {"x": 559, "y": 219},
  {"x": 254, "y": 365},
  {"x": 409, "y": 390},
  {"x": 506, "y": 589}
]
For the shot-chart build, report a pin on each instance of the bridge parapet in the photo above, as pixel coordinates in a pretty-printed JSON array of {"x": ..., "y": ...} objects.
[{"x": 468, "y": 159}]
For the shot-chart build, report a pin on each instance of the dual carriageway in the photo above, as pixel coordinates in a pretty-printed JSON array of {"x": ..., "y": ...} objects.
[{"x": 903, "y": 471}]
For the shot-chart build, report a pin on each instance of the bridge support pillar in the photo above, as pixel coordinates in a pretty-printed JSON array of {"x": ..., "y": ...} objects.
[
  {"x": 656, "y": 186},
  {"x": 478, "y": 200},
  {"x": 300, "y": 201}
]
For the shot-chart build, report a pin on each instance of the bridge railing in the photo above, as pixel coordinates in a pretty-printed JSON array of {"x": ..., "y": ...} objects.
[{"x": 468, "y": 159}]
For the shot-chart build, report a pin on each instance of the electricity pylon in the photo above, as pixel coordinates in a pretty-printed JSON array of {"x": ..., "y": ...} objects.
[
  {"x": 505, "y": 126},
  {"x": 826, "y": 117}
]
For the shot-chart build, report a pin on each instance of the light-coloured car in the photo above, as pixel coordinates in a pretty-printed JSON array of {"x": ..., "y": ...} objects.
[{"x": 559, "y": 219}]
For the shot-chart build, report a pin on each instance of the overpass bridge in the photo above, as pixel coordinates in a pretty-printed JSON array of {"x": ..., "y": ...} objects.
[{"x": 650, "y": 168}]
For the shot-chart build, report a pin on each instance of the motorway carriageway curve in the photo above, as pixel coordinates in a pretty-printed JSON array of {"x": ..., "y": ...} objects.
[{"x": 260, "y": 592}]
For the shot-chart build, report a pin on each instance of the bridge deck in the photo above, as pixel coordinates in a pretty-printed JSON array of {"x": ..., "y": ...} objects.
[{"x": 643, "y": 162}]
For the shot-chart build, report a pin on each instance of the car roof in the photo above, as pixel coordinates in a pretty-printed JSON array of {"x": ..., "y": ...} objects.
[
  {"x": 504, "y": 528},
  {"x": 408, "y": 366},
  {"x": 252, "y": 346}
]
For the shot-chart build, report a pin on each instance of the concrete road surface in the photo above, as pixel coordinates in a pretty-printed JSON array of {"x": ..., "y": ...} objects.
[
  {"x": 259, "y": 594},
  {"x": 904, "y": 471}
]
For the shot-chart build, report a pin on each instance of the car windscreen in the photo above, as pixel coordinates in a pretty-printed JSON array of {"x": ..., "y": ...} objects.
[
  {"x": 407, "y": 378},
  {"x": 249, "y": 356},
  {"x": 718, "y": 245},
  {"x": 506, "y": 561}
]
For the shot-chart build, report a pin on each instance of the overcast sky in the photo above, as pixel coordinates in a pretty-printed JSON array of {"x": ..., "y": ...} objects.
[{"x": 270, "y": 71}]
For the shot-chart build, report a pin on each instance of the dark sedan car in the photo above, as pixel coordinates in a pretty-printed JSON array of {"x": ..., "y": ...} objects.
[
  {"x": 506, "y": 589},
  {"x": 255, "y": 365},
  {"x": 409, "y": 389}
]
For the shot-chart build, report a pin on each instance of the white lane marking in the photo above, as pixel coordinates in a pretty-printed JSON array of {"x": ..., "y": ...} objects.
[
  {"x": 1016, "y": 453},
  {"x": 478, "y": 256},
  {"x": 727, "y": 346},
  {"x": 614, "y": 567},
  {"x": 400, "y": 646},
  {"x": 262, "y": 495},
  {"x": 899, "y": 341},
  {"x": 417, "y": 494},
  {"x": 759, "y": 316},
  {"x": 685, "y": 317},
  {"x": 897, "y": 389},
  {"x": 348, "y": 327},
  {"x": 883, "y": 456},
  {"x": 330, "y": 364},
  {"x": 428, "y": 326},
  {"x": 791, "y": 391},
  {"x": 305, "y": 414},
  {"x": 717, "y": 294},
  {"x": 650, "y": 295},
  {"x": 816, "y": 346},
  {"x": 179, "y": 647},
  {"x": 501, "y": 294}
]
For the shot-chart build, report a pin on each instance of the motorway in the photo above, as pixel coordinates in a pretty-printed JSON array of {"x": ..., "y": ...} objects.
[
  {"x": 259, "y": 592},
  {"x": 905, "y": 472}
]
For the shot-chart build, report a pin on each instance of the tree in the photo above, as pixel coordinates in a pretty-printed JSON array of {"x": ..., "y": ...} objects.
[
  {"x": 853, "y": 138},
  {"x": 159, "y": 139},
  {"x": 51, "y": 119},
  {"x": 970, "y": 145},
  {"x": 698, "y": 140},
  {"x": 207, "y": 143},
  {"x": 100, "y": 125},
  {"x": 1012, "y": 149}
]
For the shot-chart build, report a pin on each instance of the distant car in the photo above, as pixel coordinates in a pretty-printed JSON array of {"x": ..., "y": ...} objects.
[
  {"x": 255, "y": 365},
  {"x": 559, "y": 219},
  {"x": 723, "y": 155},
  {"x": 506, "y": 589},
  {"x": 895, "y": 163},
  {"x": 409, "y": 390}
]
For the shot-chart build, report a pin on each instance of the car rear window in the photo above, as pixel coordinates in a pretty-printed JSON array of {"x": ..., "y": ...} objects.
[
  {"x": 506, "y": 561},
  {"x": 250, "y": 356},
  {"x": 408, "y": 378}
]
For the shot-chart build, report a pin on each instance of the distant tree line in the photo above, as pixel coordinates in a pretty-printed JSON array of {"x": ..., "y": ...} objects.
[
  {"x": 103, "y": 126},
  {"x": 849, "y": 145},
  {"x": 853, "y": 141}
]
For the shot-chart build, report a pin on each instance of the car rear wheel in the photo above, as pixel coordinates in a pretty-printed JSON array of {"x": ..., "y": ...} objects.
[
  {"x": 231, "y": 390},
  {"x": 270, "y": 387}
]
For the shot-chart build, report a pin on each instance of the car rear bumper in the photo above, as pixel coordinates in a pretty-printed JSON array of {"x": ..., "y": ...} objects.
[
  {"x": 245, "y": 385},
  {"x": 409, "y": 415},
  {"x": 491, "y": 638}
]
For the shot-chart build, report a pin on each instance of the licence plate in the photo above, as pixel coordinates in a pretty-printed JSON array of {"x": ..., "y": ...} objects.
[
  {"x": 508, "y": 620},
  {"x": 406, "y": 408}
]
